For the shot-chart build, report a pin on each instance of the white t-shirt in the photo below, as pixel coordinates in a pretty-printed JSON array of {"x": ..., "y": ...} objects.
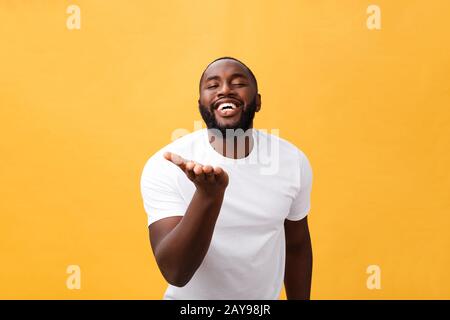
[{"x": 246, "y": 257}]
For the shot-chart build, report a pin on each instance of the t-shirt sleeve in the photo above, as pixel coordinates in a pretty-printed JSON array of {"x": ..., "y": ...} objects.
[
  {"x": 159, "y": 190},
  {"x": 302, "y": 202}
]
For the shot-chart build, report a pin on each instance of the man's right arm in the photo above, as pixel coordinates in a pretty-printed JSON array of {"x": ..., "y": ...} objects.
[{"x": 181, "y": 243}]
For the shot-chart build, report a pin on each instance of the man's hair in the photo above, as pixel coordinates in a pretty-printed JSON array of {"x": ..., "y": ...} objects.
[{"x": 230, "y": 58}]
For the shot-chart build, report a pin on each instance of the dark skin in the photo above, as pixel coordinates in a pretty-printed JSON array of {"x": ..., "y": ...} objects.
[{"x": 181, "y": 243}]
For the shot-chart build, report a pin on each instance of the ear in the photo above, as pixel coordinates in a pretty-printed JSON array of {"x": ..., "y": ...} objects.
[{"x": 258, "y": 102}]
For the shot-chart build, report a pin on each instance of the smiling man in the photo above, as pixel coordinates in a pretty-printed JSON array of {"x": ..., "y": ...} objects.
[{"x": 220, "y": 226}]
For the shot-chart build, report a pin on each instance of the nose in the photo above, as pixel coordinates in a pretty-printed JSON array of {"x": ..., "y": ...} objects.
[{"x": 225, "y": 89}]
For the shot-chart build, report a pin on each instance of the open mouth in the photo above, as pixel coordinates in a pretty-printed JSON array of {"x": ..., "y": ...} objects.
[{"x": 227, "y": 109}]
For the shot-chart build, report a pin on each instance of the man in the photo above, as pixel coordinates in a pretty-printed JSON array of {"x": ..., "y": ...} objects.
[{"x": 222, "y": 227}]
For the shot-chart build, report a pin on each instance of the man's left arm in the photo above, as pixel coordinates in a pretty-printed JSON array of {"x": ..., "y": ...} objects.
[{"x": 298, "y": 269}]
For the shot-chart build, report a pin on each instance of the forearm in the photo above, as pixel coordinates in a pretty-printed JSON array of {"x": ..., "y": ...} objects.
[
  {"x": 298, "y": 272},
  {"x": 182, "y": 251}
]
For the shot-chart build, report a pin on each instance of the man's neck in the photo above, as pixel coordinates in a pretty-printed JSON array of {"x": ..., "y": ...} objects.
[{"x": 234, "y": 147}]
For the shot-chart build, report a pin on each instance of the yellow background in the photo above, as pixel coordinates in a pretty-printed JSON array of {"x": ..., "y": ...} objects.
[{"x": 82, "y": 110}]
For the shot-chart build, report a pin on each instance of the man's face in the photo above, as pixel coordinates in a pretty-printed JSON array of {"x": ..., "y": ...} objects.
[{"x": 228, "y": 96}]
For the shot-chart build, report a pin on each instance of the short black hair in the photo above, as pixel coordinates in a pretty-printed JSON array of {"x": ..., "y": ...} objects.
[{"x": 230, "y": 58}]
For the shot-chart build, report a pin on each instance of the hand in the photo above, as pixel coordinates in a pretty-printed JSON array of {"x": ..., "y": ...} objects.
[{"x": 207, "y": 179}]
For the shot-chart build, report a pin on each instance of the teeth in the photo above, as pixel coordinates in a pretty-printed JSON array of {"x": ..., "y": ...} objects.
[{"x": 227, "y": 104}]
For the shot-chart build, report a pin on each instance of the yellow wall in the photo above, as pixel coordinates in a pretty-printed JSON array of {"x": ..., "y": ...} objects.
[{"x": 82, "y": 110}]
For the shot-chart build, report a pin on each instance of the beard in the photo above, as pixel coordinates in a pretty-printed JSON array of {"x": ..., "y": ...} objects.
[{"x": 244, "y": 123}]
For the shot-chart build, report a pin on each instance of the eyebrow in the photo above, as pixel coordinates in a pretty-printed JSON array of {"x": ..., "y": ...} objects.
[{"x": 234, "y": 75}]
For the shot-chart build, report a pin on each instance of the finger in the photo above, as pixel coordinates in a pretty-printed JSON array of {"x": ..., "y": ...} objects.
[
  {"x": 198, "y": 169},
  {"x": 167, "y": 155},
  {"x": 208, "y": 169},
  {"x": 199, "y": 175},
  {"x": 190, "y": 165},
  {"x": 190, "y": 170},
  {"x": 218, "y": 171},
  {"x": 221, "y": 175},
  {"x": 209, "y": 173}
]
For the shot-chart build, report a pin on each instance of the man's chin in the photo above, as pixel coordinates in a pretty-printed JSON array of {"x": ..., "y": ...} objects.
[
  {"x": 228, "y": 125},
  {"x": 235, "y": 124}
]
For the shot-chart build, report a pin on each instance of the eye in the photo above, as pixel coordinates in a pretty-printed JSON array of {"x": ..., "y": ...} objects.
[
  {"x": 240, "y": 84},
  {"x": 212, "y": 86}
]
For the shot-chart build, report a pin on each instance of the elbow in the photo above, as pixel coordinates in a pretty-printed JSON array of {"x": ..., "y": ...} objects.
[
  {"x": 178, "y": 283},
  {"x": 174, "y": 274},
  {"x": 175, "y": 279}
]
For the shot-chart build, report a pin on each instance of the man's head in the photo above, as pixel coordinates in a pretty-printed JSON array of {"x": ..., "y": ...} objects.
[{"x": 229, "y": 95}]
